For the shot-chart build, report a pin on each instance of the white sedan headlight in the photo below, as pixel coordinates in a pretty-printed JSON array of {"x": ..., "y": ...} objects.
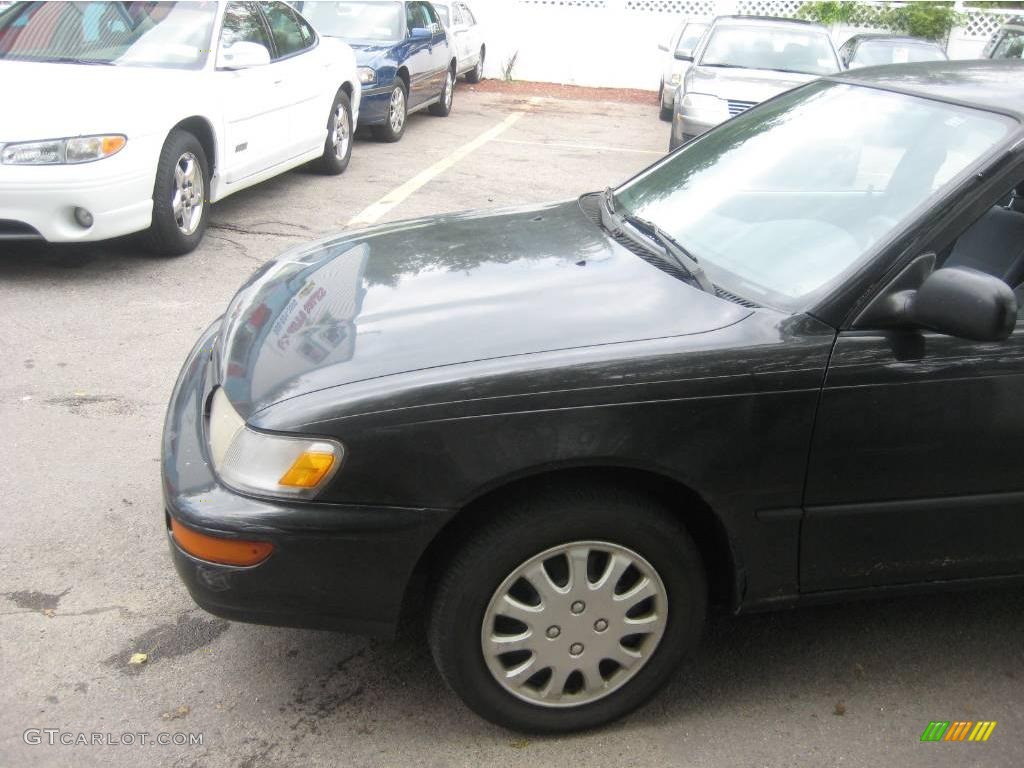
[
  {"x": 79, "y": 149},
  {"x": 264, "y": 464}
]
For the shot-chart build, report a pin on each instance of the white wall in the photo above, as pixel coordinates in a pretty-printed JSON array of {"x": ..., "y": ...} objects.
[{"x": 614, "y": 43}]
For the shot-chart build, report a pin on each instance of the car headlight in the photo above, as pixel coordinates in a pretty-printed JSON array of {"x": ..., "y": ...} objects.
[
  {"x": 674, "y": 80},
  {"x": 264, "y": 464},
  {"x": 704, "y": 102},
  {"x": 367, "y": 75},
  {"x": 79, "y": 149}
]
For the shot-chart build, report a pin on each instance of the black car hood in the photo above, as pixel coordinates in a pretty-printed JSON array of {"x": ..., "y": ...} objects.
[{"x": 446, "y": 290}]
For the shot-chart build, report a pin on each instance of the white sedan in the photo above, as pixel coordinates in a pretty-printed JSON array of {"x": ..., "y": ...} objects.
[
  {"x": 467, "y": 39},
  {"x": 155, "y": 110}
]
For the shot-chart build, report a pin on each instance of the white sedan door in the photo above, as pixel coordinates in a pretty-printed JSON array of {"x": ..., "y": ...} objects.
[
  {"x": 471, "y": 39},
  {"x": 300, "y": 77},
  {"x": 249, "y": 98}
]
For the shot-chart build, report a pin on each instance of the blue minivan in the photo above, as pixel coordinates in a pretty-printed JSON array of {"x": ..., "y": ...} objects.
[{"x": 406, "y": 62}]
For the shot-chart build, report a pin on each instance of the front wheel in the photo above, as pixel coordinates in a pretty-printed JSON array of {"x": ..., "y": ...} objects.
[
  {"x": 476, "y": 74},
  {"x": 443, "y": 107},
  {"x": 398, "y": 110},
  {"x": 180, "y": 196},
  {"x": 560, "y": 616},
  {"x": 338, "y": 146}
]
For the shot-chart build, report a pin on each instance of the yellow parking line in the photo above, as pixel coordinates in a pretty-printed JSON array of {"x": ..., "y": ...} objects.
[
  {"x": 597, "y": 147},
  {"x": 374, "y": 211}
]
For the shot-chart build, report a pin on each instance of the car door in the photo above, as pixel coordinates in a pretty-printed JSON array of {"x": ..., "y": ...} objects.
[
  {"x": 457, "y": 35},
  {"x": 912, "y": 476},
  {"x": 441, "y": 48},
  {"x": 419, "y": 60},
  {"x": 474, "y": 37},
  {"x": 299, "y": 79},
  {"x": 249, "y": 99}
]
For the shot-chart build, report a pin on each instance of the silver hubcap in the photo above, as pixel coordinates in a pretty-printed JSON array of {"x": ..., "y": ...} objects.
[
  {"x": 574, "y": 623},
  {"x": 396, "y": 111},
  {"x": 341, "y": 135},
  {"x": 187, "y": 202},
  {"x": 448, "y": 88}
]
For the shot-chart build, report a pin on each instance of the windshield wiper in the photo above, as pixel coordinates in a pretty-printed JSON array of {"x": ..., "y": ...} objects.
[
  {"x": 74, "y": 60},
  {"x": 670, "y": 250}
]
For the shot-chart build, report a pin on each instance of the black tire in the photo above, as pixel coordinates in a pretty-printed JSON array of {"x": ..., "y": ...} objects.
[
  {"x": 443, "y": 107},
  {"x": 387, "y": 131},
  {"x": 165, "y": 237},
  {"x": 331, "y": 163},
  {"x": 476, "y": 74},
  {"x": 522, "y": 529}
]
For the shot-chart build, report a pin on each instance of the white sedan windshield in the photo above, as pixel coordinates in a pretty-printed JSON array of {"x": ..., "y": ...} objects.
[
  {"x": 170, "y": 34},
  {"x": 779, "y": 203}
]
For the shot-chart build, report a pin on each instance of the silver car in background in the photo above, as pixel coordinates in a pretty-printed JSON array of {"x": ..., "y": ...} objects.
[
  {"x": 1008, "y": 41},
  {"x": 742, "y": 61},
  {"x": 678, "y": 55}
]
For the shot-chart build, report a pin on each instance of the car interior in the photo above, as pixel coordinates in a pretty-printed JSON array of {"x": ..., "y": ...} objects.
[{"x": 995, "y": 243}]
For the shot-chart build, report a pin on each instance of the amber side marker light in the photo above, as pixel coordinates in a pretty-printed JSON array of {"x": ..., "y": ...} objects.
[
  {"x": 218, "y": 550},
  {"x": 308, "y": 470}
]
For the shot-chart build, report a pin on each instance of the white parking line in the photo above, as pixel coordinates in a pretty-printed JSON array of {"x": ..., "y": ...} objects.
[
  {"x": 597, "y": 147},
  {"x": 374, "y": 211}
]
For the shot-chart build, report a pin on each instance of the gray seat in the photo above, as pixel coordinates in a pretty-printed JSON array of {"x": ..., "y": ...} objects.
[{"x": 994, "y": 244}]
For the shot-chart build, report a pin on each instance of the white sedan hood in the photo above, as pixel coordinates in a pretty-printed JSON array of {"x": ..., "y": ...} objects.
[{"x": 49, "y": 101}]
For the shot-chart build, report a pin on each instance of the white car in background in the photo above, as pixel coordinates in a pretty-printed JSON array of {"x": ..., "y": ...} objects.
[
  {"x": 467, "y": 39},
  {"x": 678, "y": 57},
  {"x": 152, "y": 111}
]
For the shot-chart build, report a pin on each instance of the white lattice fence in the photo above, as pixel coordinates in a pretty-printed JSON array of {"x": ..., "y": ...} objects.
[
  {"x": 983, "y": 25},
  {"x": 678, "y": 7},
  {"x": 780, "y": 8}
]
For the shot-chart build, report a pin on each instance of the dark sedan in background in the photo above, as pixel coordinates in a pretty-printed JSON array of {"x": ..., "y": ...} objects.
[
  {"x": 782, "y": 365},
  {"x": 875, "y": 50},
  {"x": 406, "y": 61}
]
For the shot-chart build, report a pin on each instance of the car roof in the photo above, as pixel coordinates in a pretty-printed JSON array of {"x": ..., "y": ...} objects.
[
  {"x": 865, "y": 37},
  {"x": 765, "y": 21},
  {"x": 995, "y": 85}
]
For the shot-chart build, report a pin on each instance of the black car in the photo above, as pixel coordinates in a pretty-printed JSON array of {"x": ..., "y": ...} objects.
[{"x": 782, "y": 365}]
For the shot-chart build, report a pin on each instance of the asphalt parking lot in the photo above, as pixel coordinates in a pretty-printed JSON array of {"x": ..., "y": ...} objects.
[{"x": 92, "y": 340}]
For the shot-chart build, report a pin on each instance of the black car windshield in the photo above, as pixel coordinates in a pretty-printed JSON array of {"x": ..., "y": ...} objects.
[
  {"x": 780, "y": 203},
  {"x": 879, "y": 52},
  {"x": 175, "y": 35},
  {"x": 765, "y": 47},
  {"x": 356, "y": 20}
]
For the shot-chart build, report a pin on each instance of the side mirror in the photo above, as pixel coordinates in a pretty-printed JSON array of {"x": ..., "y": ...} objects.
[
  {"x": 242, "y": 55},
  {"x": 962, "y": 302},
  {"x": 420, "y": 33},
  {"x": 663, "y": 47},
  {"x": 684, "y": 55}
]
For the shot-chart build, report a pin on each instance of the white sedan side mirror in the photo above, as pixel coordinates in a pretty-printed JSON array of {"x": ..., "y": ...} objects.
[{"x": 242, "y": 55}]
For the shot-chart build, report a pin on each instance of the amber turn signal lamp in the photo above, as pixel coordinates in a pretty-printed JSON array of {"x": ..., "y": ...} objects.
[
  {"x": 308, "y": 470},
  {"x": 111, "y": 144},
  {"x": 217, "y": 550}
]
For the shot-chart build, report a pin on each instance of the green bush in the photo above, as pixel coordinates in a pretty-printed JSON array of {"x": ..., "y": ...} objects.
[{"x": 930, "y": 20}]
